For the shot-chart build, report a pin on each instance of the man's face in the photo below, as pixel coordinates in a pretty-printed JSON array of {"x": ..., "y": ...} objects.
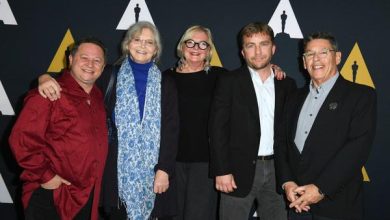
[
  {"x": 87, "y": 64},
  {"x": 321, "y": 60},
  {"x": 257, "y": 50}
]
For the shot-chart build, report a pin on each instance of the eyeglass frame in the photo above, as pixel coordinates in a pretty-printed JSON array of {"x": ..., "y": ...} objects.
[
  {"x": 147, "y": 42},
  {"x": 321, "y": 54},
  {"x": 196, "y": 43}
]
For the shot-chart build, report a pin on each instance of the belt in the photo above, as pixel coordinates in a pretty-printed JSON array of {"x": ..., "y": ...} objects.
[{"x": 268, "y": 157}]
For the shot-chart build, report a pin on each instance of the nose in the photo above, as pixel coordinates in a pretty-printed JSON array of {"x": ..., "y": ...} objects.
[
  {"x": 143, "y": 43},
  {"x": 316, "y": 56},
  {"x": 196, "y": 46},
  {"x": 90, "y": 63},
  {"x": 257, "y": 50}
]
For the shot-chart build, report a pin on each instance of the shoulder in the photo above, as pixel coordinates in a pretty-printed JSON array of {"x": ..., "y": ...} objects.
[
  {"x": 36, "y": 103},
  {"x": 287, "y": 83},
  {"x": 34, "y": 97},
  {"x": 240, "y": 70},
  {"x": 169, "y": 71},
  {"x": 167, "y": 81},
  {"x": 358, "y": 90},
  {"x": 289, "y": 80},
  {"x": 217, "y": 69}
]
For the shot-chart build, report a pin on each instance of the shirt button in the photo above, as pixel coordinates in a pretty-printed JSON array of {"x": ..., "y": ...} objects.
[
  {"x": 305, "y": 132},
  {"x": 311, "y": 114}
]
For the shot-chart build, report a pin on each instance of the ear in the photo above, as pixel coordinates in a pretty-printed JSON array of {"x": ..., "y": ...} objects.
[
  {"x": 273, "y": 49},
  {"x": 338, "y": 57},
  {"x": 70, "y": 60},
  {"x": 242, "y": 53},
  {"x": 304, "y": 63}
]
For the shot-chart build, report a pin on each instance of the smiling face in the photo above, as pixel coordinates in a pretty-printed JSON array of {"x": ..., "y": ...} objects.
[
  {"x": 195, "y": 55},
  {"x": 257, "y": 50},
  {"x": 321, "y": 69},
  {"x": 142, "y": 47},
  {"x": 87, "y": 65}
]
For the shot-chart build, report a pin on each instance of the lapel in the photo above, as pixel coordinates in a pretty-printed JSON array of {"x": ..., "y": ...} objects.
[
  {"x": 300, "y": 100},
  {"x": 328, "y": 108},
  {"x": 279, "y": 100},
  {"x": 248, "y": 92}
]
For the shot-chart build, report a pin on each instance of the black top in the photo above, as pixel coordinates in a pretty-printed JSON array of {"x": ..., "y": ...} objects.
[{"x": 195, "y": 93}]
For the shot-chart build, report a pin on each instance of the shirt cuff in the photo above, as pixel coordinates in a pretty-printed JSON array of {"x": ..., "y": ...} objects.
[{"x": 47, "y": 175}]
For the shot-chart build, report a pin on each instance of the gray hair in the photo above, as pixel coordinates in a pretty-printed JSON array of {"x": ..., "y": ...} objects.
[{"x": 137, "y": 28}]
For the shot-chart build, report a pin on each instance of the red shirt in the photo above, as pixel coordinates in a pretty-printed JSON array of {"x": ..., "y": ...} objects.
[{"x": 67, "y": 137}]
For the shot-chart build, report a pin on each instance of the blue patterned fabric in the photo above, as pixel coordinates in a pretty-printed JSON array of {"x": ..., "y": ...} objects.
[{"x": 138, "y": 141}]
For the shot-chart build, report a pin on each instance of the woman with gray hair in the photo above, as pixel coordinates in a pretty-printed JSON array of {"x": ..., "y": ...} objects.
[{"x": 141, "y": 105}]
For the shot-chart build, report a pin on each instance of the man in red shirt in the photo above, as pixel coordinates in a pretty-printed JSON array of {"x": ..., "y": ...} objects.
[{"x": 62, "y": 145}]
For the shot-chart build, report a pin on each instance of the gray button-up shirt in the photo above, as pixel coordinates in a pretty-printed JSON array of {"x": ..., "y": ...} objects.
[{"x": 310, "y": 108}]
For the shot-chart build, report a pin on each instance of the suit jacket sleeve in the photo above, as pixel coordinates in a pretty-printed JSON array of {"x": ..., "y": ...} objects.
[
  {"x": 219, "y": 128},
  {"x": 282, "y": 169},
  {"x": 353, "y": 155},
  {"x": 169, "y": 126}
]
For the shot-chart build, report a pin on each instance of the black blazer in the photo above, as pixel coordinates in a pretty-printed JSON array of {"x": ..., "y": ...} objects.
[
  {"x": 336, "y": 149},
  {"x": 235, "y": 126},
  {"x": 165, "y": 203}
]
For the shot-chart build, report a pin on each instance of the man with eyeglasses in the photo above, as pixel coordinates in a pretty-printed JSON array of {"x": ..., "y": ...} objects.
[
  {"x": 245, "y": 129},
  {"x": 330, "y": 129}
]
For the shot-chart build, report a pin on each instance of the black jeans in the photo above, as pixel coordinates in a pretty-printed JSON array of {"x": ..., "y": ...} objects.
[
  {"x": 41, "y": 207},
  {"x": 306, "y": 216}
]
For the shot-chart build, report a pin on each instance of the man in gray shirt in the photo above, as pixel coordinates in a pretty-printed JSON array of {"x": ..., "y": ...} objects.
[{"x": 330, "y": 128}]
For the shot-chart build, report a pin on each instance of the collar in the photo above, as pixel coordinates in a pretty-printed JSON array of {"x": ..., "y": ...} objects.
[
  {"x": 142, "y": 67},
  {"x": 253, "y": 73},
  {"x": 324, "y": 87},
  {"x": 70, "y": 85}
]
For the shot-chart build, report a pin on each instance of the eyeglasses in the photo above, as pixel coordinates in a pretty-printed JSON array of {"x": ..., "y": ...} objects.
[
  {"x": 203, "y": 45},
  {"x": 147, "y": 43},
  {"x": 321, "y": 54}
]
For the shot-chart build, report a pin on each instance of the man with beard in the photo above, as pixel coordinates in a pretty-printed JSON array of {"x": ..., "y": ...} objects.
[{"x": 245, "y": 128}]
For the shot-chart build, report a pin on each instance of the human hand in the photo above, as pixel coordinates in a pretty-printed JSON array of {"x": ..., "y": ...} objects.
[
  {"x": 225, "y": 183},
  {"x": 309, "y": 194},
  {"x": 49, "y": 87},
  {"x": 279, "y": 73},
  {"x": 289, "y": 188},
  {"x": 161, "y": 182},
  {"x": 55, "y": 182}
]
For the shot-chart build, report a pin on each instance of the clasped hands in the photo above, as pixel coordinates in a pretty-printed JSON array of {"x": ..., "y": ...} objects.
[{"x": 301, "y": 197}]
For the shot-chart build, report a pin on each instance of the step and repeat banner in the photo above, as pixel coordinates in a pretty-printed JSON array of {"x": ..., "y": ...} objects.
[{"x": 34, "y": 36}]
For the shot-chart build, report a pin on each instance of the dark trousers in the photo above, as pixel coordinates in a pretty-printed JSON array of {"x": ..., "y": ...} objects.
[
  {"x": 197, "y": 198},
  {"x": 41, "y": 207},
  {"x": 271, "y": 205},
  {"x": 292, "y": 215},
  {"x": 120, "y": 214}
]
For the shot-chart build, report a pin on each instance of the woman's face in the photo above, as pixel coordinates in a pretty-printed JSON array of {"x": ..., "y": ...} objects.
[
  {"x": 142, "y": 47},
  {"x": 196, "y": 54}
]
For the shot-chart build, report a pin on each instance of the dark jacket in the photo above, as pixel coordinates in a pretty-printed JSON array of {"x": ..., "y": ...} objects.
[
  {"x": 235, "y": 126},
  {"x": 335, "y": 150},
  {"x": 165, "y": 203}
]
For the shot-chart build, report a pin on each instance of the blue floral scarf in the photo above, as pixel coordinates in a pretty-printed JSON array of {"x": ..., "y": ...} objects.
[{"x": 138, "y": 141}]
